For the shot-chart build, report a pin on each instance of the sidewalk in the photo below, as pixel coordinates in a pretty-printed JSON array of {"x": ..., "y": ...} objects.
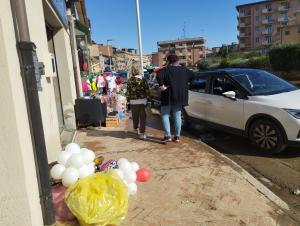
[{"x": 190, "y": 185}]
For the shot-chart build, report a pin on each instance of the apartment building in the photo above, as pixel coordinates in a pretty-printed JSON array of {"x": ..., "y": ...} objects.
[
  {"x": 260, "y": 23},
  {"x": 189, "y": 50},
  {"x": 291, "y": 33}
]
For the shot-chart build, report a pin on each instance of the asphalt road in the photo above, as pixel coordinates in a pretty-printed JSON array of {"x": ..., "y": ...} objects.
[{"x": 279, "y": 172}]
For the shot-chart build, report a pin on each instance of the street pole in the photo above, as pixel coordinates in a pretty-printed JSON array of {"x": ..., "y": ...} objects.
[
  {"x": 107, "y": 41},
  {"x": 139, "y": 34}
]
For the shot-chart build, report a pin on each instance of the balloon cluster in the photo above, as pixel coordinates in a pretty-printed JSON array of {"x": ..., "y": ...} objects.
[
  {"x": 129, "y": 172},
  {"x": 73, "y": 164}
]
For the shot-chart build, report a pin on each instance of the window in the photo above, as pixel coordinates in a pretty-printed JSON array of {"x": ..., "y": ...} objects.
[
  {"x": 268, "y": 39},
  {"x": 284, "y": 16},
  {"x": 268, "y": 28},
  {"x": 257, "y": 29},
  {"x": 222, "y": 84},
  {"x": 257, "y": 39},
  {"x": 199, "y": 84},
  {"x": 257, "y": 8},
  {"x": 287, "y": 32},
  {"x": 257, "y": 18},
  {"x": 285, "y": 5},
  {"x": 269, "y": 17},
  {"x": 269, "y": 7}
]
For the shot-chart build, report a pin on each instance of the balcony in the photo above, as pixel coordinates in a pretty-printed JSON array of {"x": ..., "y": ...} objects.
[
  {"x": 265, "y": 11},
  {"x": 243, "y": 35},
  {"x": 244, "y": 14},
  {"x": 243, "y": 25},
  {"x": 266, "y": 21},
  {"x": 266, "y": 43},
  {"x": 266, "y": 32},
  {"x": 283, "y": 19},
  {"x": 283, "y": 8}
]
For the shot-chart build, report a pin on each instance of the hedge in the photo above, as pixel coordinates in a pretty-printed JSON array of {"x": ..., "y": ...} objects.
[{"x": 285, "y": 58}]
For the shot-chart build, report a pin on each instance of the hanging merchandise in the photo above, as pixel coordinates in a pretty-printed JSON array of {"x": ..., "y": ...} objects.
[
  {"x": 99, "y": 200},
  {"x": 85, "y": 65}
]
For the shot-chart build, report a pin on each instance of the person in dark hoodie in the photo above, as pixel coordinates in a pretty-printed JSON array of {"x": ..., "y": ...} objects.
[
  {"x": 174, "y": 82},
  {"x": 138, "y": 96}
]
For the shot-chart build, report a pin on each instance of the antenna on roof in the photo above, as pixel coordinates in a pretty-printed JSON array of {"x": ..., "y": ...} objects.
[{"x": 184, "y": 30}]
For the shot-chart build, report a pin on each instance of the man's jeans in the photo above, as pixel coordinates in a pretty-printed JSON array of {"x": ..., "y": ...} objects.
[{"x": 165, "y": 114}]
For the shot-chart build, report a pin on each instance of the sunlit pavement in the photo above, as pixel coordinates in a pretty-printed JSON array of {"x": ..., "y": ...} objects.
[{"x": 190, "y": 185}]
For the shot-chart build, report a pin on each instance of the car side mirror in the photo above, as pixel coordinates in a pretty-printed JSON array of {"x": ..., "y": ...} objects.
[{"x": 230, "y": 94}]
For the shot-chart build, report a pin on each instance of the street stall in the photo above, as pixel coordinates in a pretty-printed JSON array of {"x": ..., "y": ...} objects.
[{"x": 104, "y": 101}]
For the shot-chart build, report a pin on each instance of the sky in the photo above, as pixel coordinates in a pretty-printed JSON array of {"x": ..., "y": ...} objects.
[{"x": 161, "y": 20}]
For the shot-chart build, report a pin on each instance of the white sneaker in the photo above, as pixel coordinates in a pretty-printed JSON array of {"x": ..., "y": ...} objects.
[{"x": 143, "y": 136}]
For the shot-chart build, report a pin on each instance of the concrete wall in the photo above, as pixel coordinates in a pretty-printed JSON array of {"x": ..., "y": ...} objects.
[
  {"x": 19, "y": 196},
  {"x": 19, "y": 188},
  {"x": 66, "y": 75},
  {"x": 38, "y": 35}
]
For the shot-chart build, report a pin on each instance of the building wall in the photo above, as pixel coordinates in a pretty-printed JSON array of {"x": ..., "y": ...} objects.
[
  {"x": 20, "y": 204},
  {"x": 291, "y": 34},
  {"x": 258, "y": 32},
  {"x": 188, "y": 51}
]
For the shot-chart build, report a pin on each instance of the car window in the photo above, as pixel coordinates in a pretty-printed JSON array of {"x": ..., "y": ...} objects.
[
  {"x": 258, "y": 82},
  {"x": 222, "y": 84},
  {"x": 199, "y": 84}
]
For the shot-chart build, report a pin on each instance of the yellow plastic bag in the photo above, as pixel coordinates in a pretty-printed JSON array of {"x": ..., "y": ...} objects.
[{"x": 98, "y": 200}]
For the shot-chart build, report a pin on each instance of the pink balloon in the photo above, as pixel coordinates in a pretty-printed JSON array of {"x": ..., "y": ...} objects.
[{"x": 142, "y": 175}]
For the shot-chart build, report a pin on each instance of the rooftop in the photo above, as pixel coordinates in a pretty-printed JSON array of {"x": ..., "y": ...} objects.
[
  {"x": 255, "y": 3},
  {"x": 180, "y": 40}
]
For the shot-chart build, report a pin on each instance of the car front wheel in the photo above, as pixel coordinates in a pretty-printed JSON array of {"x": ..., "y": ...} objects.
[{"x": 267, "y": 136}]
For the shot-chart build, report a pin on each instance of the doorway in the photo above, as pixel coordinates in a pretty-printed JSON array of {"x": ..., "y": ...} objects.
[{"x": 56, "y": 84}]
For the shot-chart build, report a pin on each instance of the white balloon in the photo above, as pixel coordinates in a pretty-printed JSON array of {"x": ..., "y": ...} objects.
[
  {"x": 84, "y": 171},
  {"x": 70, "y": 176},
  {"x": 83, "y": 149},
  {"x": 121, "y": 161},
  {"x": 132, "y": 188},
  {"x": 76, "y": 161},
  {"x": 57, "y": 171},
  {"x": 88, "y": 156},
  {"x": 63, "y": 157},
  {"x": 130, "y": 177},
  {"x": 120, "y": 173},
  {"x": 135, "y": 167},
  {"x": 125, "y": 167},
  {"x": 73, "y": 148},
  {"x": 91, "y": 167}
]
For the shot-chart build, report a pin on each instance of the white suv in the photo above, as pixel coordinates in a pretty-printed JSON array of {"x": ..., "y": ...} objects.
[{"x": 251, "y": 102}]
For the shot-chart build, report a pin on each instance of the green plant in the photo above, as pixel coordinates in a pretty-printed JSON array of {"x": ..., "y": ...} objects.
[
  {"x": 261, "y": 62},
  {"x": 202, "y": 65},
  {"x": 224, "y": 62},
  {"x": 285, "y": 57}
]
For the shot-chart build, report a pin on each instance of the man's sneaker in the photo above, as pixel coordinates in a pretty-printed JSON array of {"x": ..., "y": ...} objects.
[
  {"x": 176, "y": 139},
  {"x": 137, "y": 130},
  {"x": 167, "y": 139},
  {"x": 143, "y": 136}
]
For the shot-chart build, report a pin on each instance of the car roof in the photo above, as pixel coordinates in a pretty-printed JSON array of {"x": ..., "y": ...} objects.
[{"x": 226, "y": 70}]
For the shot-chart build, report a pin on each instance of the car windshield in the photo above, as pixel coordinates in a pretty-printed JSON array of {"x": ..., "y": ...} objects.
[{"x": 258, "y": 82}]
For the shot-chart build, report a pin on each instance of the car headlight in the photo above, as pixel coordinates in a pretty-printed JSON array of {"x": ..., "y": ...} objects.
[{"x": 294, "y": 112}]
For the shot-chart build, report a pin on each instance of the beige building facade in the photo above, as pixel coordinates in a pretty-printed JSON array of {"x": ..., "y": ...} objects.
[
  {"x": 20, "y": 198},
  {"x": 189, "y": 50},
  {"x": 260, "y": 23},
  {"x": 291, "y": 33}
]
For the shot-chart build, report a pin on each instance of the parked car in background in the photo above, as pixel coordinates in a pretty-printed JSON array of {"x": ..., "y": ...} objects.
[{"x": 248, "y": 102}]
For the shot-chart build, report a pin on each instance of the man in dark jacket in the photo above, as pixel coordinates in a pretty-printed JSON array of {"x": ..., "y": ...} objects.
[{"x": 174, "y": 82}]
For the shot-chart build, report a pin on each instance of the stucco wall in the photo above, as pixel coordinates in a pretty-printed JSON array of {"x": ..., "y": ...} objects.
[
  {"x": 19, "y": 197},
  {"x": 38, "y": 35}
]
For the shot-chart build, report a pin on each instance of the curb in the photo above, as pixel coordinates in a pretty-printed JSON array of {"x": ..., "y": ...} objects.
[{"x": 252, "y": 180}]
